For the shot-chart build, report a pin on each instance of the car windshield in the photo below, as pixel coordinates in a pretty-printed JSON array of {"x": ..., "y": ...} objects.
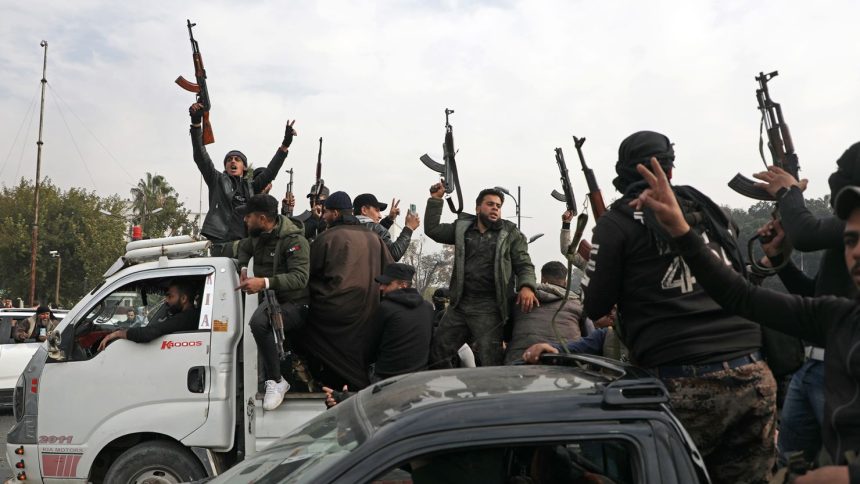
[{"x": 306, "y": 452}]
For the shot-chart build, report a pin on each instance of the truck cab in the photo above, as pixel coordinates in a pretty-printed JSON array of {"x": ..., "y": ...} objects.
[{"x": 182, "y": 407}]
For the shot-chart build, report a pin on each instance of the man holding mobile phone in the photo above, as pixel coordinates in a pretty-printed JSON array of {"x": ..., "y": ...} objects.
[
  {"x": 37, "y": 326},
  {"x": 368, "y": 210}
]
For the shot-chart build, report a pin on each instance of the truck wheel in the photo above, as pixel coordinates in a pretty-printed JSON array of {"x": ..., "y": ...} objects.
[{"x": 155, "y": 462}]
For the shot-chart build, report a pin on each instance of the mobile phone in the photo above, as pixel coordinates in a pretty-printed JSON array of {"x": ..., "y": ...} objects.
[
  {"x": 412, "y": 208},
  {"x": 42, "y": 332}
]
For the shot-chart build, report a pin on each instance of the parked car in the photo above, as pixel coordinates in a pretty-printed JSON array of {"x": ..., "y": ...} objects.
[
  {"x": 571, "y": 419},
  {"x": 13, "y": 355}
]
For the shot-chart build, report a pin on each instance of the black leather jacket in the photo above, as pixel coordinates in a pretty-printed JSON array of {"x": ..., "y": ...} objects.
[{"x": 222, "y": 223}]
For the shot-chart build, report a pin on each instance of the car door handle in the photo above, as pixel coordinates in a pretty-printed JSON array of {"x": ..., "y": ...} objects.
[{"x": 197, "y": 379}]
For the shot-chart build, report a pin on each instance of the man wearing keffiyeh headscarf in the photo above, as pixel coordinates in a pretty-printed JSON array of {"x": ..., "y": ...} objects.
[{"x": 710, "y": 360}]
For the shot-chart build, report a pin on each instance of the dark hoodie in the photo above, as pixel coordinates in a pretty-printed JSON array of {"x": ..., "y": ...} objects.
[{"x": 400, "y": 333}]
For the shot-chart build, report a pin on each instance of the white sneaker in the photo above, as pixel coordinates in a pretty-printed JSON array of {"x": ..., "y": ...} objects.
[{"x": 275, "y": 391}]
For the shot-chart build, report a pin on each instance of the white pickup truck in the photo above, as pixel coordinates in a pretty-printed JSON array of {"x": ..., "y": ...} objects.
[{"x": 182, "y": 407}]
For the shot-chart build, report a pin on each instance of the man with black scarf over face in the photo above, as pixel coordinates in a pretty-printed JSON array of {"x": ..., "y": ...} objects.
[{"x": 709, "y": 359}]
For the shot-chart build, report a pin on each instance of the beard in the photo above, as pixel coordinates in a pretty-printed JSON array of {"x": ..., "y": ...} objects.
[
  {"x": 485, "y": 220},
  {"x": 255, "y": 232}
]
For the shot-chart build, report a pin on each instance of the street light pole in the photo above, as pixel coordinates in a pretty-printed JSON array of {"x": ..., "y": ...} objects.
[
  {"x": 35, "y": 240},
  {"x": 516, "y": 202},
  {"x": 56, "y": 254}
]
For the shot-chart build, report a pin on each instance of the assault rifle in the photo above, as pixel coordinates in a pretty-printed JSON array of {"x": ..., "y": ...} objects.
[
  {"x": 782, "y": 153},
  {"x": 200, "y": 88},
  {"x": 448, "y": 170},
  {"x": 276, "y": 319},
  {"x": 319, "y": 184},
  {"x": 289, "y": 192},
  {"x": 567, "y": 196},
  {"x": 778, "y": 141},
  {"x": 595, "y": 197}
]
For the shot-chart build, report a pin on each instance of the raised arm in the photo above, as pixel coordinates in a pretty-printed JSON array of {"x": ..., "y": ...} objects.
[
  {"x": 201, "y": 157},
  {"x": 274, "y": 166},
  {"x": 439, "y": 232}
]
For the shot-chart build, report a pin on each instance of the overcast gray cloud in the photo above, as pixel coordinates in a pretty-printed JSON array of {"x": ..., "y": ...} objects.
[{"x": 373, "y": 78}]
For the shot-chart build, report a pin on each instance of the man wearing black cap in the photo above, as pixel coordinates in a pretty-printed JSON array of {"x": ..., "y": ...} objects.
[
  {"x": 829, "y": 322},
  {"x": 312, "y": 219},
  {"x": 345, "y": 259},
  {"x": 230, "y": 189},
  {"x": 709, "y": 359},
  {"x": 281, "y": 255},
  {"x": 367, "y": 210},
  {"x": 37, "y": 326},
  {"x": 402, "y": 326}
]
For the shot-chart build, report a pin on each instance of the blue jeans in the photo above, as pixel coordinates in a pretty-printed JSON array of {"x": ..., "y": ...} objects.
[{"x": 803, "y": 412}]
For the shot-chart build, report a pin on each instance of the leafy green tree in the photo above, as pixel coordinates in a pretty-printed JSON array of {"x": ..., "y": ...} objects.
[{"x": 71, "y": 224}]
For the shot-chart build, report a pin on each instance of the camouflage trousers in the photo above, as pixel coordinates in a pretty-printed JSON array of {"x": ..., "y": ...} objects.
[
  {"x": 730, "y": 414},
  {"x": 470, "y": 321}
]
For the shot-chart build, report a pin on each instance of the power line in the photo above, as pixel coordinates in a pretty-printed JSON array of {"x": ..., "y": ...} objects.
[
  {"x": 28, "y": 113},
  {"x": 115, "y": 160},
  {"x": 75, "y": 144}
]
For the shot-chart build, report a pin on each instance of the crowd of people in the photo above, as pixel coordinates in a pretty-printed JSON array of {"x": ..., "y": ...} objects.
[{"x": 666, "y": 287}]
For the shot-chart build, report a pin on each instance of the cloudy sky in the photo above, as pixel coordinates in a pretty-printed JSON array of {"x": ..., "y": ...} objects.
[{"x": 373, "y": 78}]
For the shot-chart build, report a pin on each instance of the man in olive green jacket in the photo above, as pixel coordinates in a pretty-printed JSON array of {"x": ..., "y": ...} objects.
[
  {"x": 491, "y": 261},
  {"x": 281, "y": 263}
]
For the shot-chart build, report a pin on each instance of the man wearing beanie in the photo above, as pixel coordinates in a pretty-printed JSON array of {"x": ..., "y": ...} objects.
[
  {"x": 345, "y": 260},
  {"x": 36, "y": 327},
  {"x": 709, "y": 359},
  {"x": 802, "y": 416},
  {"x": 230, "y": 189}
]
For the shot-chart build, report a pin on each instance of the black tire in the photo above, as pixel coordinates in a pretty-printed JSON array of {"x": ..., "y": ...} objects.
[{"x": 155, "y": 459}]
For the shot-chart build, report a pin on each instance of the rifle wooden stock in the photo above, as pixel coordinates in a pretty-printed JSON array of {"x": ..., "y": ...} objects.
[
  {"x": 584, "y": 249},
  {"x": 208, "y": 135}
]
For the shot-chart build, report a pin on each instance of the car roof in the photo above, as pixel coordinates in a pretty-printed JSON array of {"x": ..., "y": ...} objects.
[{"x": 592, "y": 382}]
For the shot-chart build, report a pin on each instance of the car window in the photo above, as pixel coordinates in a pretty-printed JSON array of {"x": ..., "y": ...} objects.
[
  {"x": 580, "y": 461},
  {"x": 137, "y": 304}
]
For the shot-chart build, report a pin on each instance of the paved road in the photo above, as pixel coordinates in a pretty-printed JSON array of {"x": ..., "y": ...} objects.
[{"x": 6, "y": 422}]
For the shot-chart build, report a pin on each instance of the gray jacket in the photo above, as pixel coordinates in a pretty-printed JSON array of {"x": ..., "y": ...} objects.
[
  {"x": 396, "y": 247},
  {"x": 536, "y": 326}
]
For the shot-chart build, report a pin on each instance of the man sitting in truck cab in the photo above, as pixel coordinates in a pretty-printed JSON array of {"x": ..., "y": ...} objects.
[
  {"x": 182, "y": 316},
  {"x": 37, "y": 326}
]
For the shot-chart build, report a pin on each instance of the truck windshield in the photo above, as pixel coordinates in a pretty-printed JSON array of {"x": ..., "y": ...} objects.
[{"x": 306, "y": 452}]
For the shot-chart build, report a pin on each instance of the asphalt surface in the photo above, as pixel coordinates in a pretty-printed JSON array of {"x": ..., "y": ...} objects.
[{"x": 6, "y": 422}]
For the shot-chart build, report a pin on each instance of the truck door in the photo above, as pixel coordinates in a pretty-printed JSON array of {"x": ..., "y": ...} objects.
[{"x": 94, "y": 398}]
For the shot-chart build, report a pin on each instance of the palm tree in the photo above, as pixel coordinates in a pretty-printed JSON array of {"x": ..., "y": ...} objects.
[{"x": 150, "y": 195}]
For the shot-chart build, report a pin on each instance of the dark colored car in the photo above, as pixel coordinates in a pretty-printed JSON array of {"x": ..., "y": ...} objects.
[{"x": 578, "y": 419}]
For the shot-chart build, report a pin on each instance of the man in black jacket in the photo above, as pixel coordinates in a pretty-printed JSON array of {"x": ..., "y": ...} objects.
[
  {"x": 182, "y": 316},
  {"x": 367, "y": 209},
  {"x": 402, "y": 326},
  {"x": 802, "y": 415},
  {"x": 709, "y": 359},
  {"x": 829, "y": 322},
  {"x": 230, "y": 189}
]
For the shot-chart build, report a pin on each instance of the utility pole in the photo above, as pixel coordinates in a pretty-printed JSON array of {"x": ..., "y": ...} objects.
[
  {"x": 56, "y": 254},
  {"x": 35, "y": 241}
]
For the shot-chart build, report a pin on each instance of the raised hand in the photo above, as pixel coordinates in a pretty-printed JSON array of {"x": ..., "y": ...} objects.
[{"x": 660, "y": 199}]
